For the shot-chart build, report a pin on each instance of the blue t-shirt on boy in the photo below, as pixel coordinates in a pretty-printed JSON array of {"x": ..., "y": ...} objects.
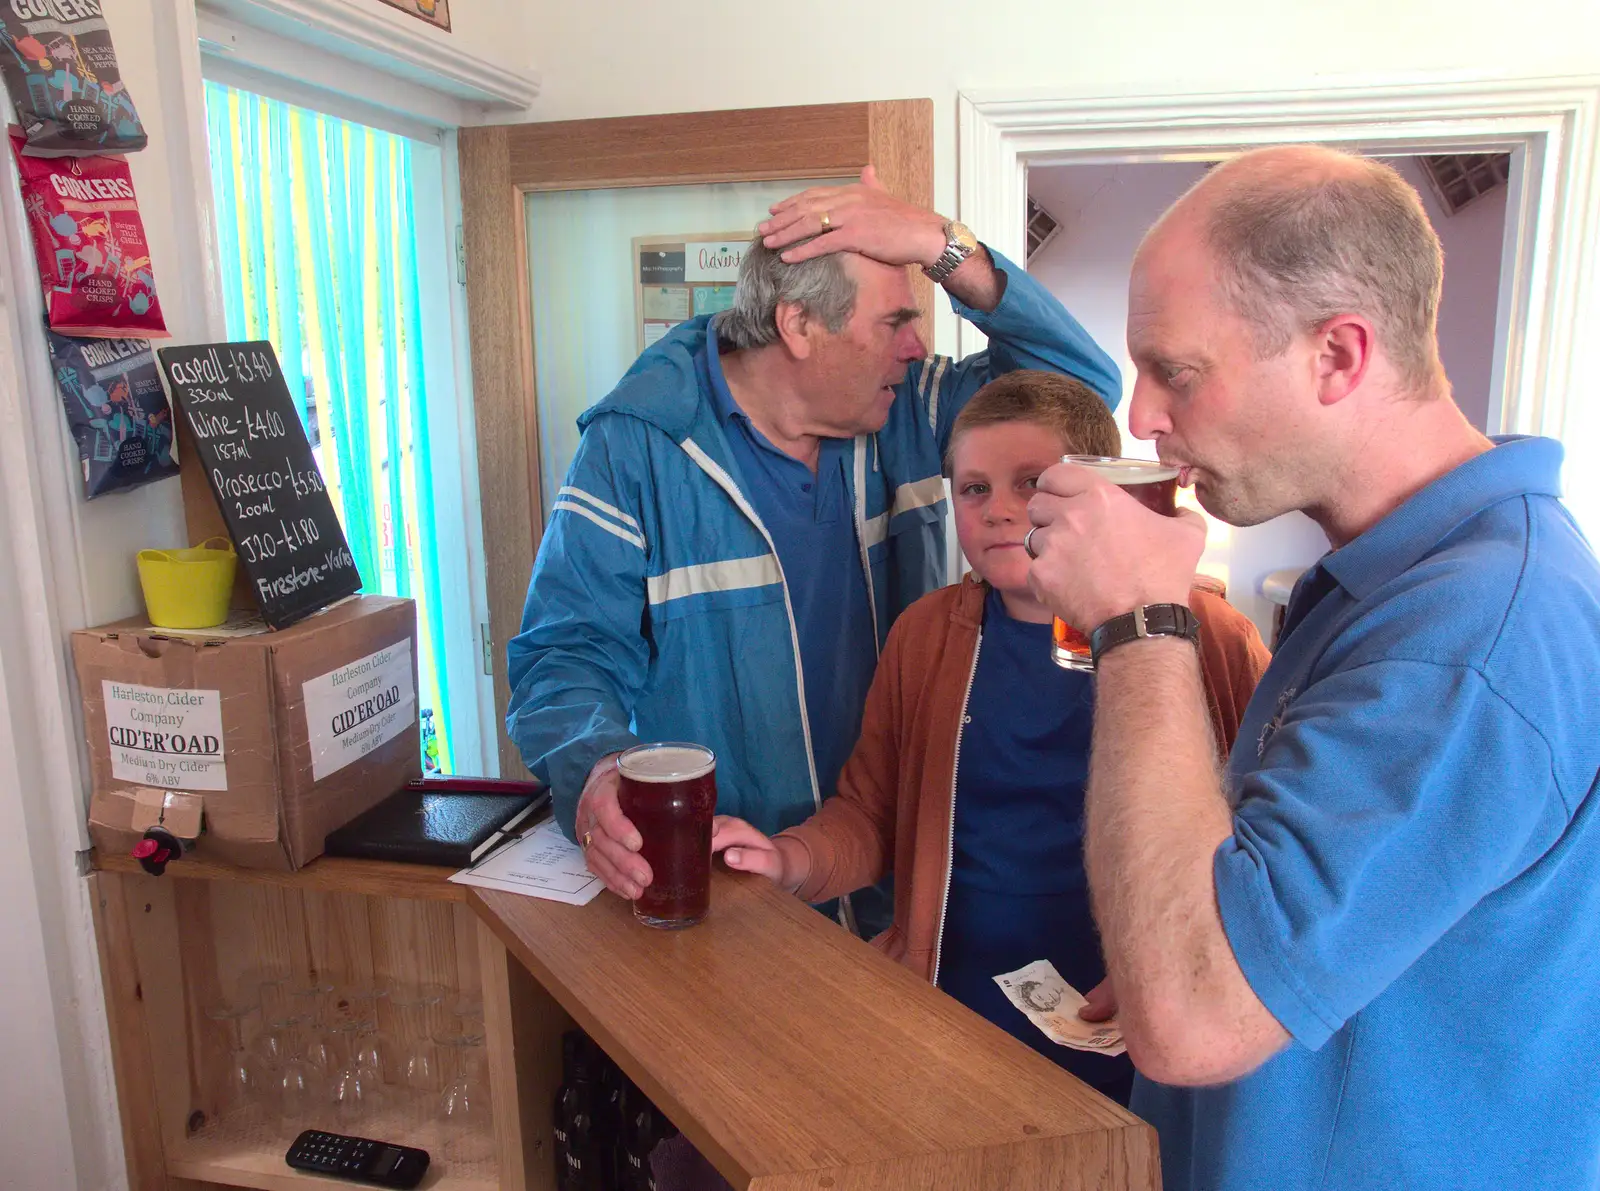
[{"x": 1018, "y": 892}]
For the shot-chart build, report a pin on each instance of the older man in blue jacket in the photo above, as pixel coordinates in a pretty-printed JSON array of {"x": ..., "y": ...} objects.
[{"x": 753, "y": 505}]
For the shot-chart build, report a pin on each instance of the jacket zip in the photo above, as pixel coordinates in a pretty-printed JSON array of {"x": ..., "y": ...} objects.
[
  {"x": 950, "y": 848},
  {"x": 847, "y": 909},
  {"x": 860, "y": 511},
  {"x": 725, "y": 482}
]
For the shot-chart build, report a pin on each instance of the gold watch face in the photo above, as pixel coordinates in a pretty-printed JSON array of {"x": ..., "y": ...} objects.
[{"x": 962, "y": 235}]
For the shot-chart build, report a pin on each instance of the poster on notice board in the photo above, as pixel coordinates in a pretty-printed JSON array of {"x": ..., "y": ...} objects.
[{"x": 678, "y": 277}]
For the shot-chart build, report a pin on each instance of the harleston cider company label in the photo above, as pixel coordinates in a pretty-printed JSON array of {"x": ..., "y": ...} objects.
[{"x": 165, "y": 736}]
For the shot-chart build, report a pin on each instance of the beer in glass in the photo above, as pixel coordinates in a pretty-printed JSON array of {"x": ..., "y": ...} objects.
[
  {"x": 1154, "y": 485},
  {"x": 669, "y": 791}
]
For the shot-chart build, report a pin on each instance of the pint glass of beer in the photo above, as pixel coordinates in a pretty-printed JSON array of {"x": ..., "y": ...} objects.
[
  {"x": 1154, "y": 485},
  {"x": 669, "y": 791}
]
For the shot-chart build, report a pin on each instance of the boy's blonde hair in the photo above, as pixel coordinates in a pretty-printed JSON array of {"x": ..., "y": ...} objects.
[{"x": 1063, "y": 404}]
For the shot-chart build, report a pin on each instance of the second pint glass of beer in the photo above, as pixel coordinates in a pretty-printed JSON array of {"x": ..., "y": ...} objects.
[
  {"x": 1154, "y": 485},
  {"x": 669, "y": 791}
]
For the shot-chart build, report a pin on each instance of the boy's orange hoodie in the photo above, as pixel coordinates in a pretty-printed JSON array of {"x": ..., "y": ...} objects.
[{"x": 894, "y": 809}]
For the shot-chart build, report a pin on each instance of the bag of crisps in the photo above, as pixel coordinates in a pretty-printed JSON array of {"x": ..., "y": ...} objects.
[
  {"x": 59, "y": 65},
  {"x": 89, "y": 241},
  {"x": 117, "y": 409}
]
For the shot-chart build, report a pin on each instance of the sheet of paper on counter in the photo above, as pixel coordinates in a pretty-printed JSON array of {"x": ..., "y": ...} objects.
[{"x": 543, "y": 863}]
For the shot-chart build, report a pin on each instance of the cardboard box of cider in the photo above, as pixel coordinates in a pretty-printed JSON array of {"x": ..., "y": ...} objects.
[{"x": 282, "y": 736}]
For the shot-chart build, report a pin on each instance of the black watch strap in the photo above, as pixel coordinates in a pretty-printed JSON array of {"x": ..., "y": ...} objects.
[{"x": 1152, "y": 620}]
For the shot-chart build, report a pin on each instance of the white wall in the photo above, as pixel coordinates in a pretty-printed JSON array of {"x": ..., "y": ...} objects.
[
  {"x": 620, "y": 57},
  {"x": 1471, "y": 240},
  {"x": 1104, "y": 211}
]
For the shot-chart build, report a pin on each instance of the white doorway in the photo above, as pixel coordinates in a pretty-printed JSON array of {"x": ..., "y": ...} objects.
[{"x": 1521, "y": 368}]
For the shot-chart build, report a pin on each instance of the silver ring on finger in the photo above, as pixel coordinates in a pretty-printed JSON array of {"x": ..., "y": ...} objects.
[{"x": 1027, "y": 541}]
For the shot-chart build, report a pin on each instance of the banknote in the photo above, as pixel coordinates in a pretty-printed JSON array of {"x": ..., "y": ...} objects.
[{"x": 1052, "y": 1004}]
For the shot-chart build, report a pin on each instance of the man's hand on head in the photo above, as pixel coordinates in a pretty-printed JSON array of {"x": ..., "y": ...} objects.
[
  {"x": 866, "y": 219},
  {"x": 861, "y": 217}
]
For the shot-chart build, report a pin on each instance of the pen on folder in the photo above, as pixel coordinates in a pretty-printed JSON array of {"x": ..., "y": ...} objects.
[{"x": 505, "y": 837}]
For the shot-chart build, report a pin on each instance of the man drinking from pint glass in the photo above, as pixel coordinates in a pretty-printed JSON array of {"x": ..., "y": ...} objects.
[{"x": 1367, "y": 954}]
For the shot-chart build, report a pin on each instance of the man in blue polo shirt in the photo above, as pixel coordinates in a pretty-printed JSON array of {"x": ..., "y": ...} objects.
[
  {"x": 753, "y": 505},
  {"x": 1368, "y": 955}
]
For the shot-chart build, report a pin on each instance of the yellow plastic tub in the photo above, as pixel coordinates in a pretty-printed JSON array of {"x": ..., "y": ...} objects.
[{"x": 188, "y": 589}]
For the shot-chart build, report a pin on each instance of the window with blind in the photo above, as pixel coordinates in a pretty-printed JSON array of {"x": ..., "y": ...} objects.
[{"x": 319, "y": 250}]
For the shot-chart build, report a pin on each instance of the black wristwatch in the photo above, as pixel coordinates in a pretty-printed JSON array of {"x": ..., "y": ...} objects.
[{"x": 1151, "y": 620}]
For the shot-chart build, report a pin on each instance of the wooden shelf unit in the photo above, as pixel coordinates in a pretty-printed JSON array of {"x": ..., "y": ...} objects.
[
  {"x": 220, "y": 1163},
  {"x": 794, "y": 1056},
  {"x": 174, "y": 944}
]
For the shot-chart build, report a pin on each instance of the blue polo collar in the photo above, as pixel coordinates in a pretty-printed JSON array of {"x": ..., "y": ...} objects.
[
  {"x": 1518, "y": 465},
  {"x": 721, "y": 396}
]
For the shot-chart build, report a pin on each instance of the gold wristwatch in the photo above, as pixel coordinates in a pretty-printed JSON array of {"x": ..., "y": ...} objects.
[{"x": 960, "y": 243}]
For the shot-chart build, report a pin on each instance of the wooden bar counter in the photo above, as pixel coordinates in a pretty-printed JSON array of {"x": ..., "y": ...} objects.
[{"x": 793, "y": 1055}]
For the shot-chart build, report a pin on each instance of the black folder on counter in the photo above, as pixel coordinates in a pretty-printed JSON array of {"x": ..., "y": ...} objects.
[{"x": 447, "y": 821}]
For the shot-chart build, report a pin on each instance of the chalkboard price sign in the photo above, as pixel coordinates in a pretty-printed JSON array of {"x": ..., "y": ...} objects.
[{"x": 243, "y": 426}]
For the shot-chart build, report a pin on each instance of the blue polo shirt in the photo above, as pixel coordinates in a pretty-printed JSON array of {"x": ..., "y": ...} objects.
[
  {"x": 813, "y": 528},
  {"x": 1412, "y": 886}
]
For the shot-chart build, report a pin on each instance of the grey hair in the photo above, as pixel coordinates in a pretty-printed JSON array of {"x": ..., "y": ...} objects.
[
  {"x": 820, "y": 287},
  {"x": 1302, "y": 239}
]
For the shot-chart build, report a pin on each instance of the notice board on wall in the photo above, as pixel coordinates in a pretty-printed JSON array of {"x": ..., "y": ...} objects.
[
  {"x": 243, "y": 426},
  {"x": 678, "y": 277}
]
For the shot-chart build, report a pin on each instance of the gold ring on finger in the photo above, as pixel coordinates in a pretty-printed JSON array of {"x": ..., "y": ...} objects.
[
  {"x": 586, "y": 840},
  {"x": 827, "y": 221}
]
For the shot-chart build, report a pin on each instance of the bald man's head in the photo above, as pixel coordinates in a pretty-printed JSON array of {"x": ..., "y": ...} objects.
[{"x": 1301, "y": 233}]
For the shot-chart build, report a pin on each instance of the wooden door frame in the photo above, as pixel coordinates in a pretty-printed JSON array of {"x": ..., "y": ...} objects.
[{"x": 501, "y": 164}]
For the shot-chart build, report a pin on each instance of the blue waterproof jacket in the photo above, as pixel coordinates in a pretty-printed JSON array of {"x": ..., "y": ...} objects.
[{"x": 658, "y": 609}]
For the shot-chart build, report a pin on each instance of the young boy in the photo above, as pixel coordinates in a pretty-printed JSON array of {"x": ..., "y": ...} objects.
[{"x": 968, "y": 779}]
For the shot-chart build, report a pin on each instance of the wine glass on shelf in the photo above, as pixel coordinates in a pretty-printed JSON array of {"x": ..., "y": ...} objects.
[
  {"x": 298, "y": 1087},
  {"x": 466, "y": 1013},
  {"x": 369, "y": 1051},
  {"x": 355, "y": 1090},
  {"x": 465, "y": 1115},
  {"x": 355, "y": 998},
  {"x": 275, "y": 1044},
  {"x": 310, "y": 998},
  {"x": 271, "y": 985},
  {"x": 415, "y": 1070},
  {"x": 310, "y": 1003},
  {"x": 364, "y": 1001},
  {"x": 245, "y": 1084}
]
